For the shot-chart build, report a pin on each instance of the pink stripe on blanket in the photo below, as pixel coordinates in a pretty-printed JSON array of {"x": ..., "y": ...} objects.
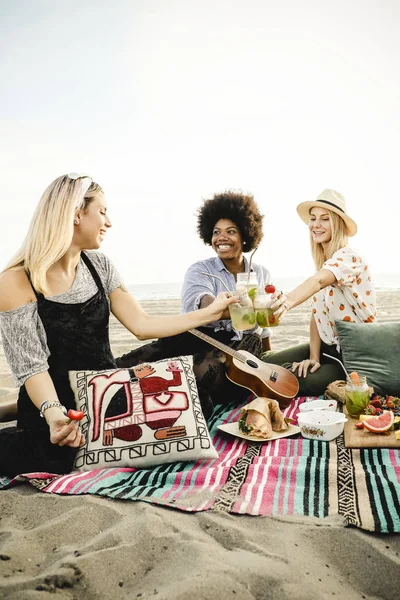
[{"x": 66, "y": 484}]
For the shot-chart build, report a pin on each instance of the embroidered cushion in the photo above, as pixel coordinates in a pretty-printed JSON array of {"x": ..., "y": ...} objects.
[
  {"x": 372, "y": 349},
  {"x": 141, "y": 416}
]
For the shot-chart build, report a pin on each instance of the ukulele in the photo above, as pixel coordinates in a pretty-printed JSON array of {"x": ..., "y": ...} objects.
[{"x": 263, "y": 379}]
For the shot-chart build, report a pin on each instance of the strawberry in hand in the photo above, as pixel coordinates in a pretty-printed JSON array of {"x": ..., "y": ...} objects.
[{"x": 75, "y": 415}]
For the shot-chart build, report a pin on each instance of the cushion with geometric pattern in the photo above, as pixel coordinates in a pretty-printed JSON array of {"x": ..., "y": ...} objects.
[{"x": 141, "y": 416}]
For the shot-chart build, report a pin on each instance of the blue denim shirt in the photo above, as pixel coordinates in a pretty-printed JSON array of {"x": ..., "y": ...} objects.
[{"x": 196, "y": 285}]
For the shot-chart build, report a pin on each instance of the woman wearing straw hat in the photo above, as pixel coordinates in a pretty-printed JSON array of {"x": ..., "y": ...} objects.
[{"x": 341, "y": 289}]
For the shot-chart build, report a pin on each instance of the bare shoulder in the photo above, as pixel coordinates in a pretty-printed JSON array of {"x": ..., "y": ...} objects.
[{"x": 15, "y": 290}]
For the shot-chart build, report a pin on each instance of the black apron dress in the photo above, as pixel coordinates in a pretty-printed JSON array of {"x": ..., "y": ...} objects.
[{"x": 78, "y": 339}]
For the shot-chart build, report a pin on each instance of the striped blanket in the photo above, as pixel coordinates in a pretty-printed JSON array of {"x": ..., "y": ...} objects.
[{"x": 288, "y": 476}]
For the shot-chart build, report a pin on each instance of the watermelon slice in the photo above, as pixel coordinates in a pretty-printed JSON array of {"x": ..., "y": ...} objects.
[{"x": 380, "y": 424}]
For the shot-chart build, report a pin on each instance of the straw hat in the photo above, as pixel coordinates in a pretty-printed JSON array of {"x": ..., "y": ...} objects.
[{"x": 330, "y": 200}]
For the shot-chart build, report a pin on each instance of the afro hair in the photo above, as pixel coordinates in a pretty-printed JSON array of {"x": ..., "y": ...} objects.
[{"x": 239, "y": 208}]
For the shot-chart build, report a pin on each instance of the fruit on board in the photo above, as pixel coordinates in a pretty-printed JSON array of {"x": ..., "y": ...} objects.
[
  {"x": 377, "y": 403},
  {"x": 380, "y": 424},
  {"x": 396, "y": 423},
  {"x": 365, "y": 417},
  {"x": 359, "y": 425},
  {"x": 384, "y": 403},
  {"x": 355, "y": 378}
]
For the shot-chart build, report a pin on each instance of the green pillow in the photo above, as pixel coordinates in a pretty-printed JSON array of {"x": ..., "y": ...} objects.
[{"x": 372, "y": 349}]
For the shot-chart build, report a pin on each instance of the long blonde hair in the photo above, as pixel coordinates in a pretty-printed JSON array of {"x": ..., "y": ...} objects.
[
  {"x": 339, "y": 239},
  {"x": 51, "y": 228}
]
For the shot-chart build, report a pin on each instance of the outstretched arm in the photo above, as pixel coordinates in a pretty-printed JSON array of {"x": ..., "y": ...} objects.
[
  {"x": 303, "y": 292},
  {"x": 130, "y": 313},
  {"x": 207, "y": 300}
]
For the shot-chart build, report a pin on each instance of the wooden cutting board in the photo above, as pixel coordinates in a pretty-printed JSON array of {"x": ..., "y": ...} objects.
[{"x": 362, "y": 438}]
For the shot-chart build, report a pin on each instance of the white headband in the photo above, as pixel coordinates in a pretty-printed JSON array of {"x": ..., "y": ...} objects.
[{"x": 86, "y": 182}]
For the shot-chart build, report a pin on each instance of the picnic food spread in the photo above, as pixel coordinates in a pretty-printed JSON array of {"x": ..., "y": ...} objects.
[{"x": 378, "y": 421}]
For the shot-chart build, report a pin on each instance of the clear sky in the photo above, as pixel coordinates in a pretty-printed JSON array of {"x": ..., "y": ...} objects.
[{"x": 165, "y": 102}]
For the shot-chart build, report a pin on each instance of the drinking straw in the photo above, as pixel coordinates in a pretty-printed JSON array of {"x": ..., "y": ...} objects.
[
  {"x": 339, "y": 361},
  {"x": 223, "y": 282},
  {"x": 250, "y": 261}
]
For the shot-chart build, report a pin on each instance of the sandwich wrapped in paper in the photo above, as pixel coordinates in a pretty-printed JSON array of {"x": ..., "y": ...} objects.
[
  {"x": 279, "y": 422},
  {"x": 261, "y": 417}
]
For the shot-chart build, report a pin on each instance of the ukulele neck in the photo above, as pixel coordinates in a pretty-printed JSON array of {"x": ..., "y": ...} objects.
[{"x": 223, "y": 347}]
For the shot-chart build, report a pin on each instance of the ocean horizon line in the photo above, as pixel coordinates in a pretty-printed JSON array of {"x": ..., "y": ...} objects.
[{"x": 172, "y": 289}]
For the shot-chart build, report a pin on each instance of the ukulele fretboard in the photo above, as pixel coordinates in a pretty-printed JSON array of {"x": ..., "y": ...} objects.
[{"x": 218, "y": 345}]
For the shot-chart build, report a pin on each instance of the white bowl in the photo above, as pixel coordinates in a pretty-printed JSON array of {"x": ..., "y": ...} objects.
[
  {"x": 319, "y": 405},
  {"x": 323, "y": 425}
]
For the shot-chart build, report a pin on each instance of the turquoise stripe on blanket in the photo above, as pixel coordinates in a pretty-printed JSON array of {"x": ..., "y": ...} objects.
[{"x": 383, "y": 483}]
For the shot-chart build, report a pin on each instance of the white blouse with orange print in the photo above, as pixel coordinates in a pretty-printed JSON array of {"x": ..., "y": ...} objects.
[{"x": 351, "y": 298}]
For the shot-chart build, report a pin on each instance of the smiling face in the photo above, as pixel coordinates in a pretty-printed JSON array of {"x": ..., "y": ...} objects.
[
  {"x": 227, "y": 240},
  {"x": 320, "y": 225},
  {"x": 93, "y": 224}
]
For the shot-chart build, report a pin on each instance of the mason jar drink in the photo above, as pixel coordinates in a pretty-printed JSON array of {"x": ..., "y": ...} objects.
[
  {"x": 249, "y": 281},
  {"x": 273, "y": 320},
  {"x": 242, "y": 313},
  {"x": 262, "y": 307},
  {"x": 357, "y": 396}
]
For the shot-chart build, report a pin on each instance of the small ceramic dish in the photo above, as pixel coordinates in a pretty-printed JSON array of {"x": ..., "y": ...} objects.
[
  {"x": 318, "y": 405},
  {"x": 323, "y": 425}
]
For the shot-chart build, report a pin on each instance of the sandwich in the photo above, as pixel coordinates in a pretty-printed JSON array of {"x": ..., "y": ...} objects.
[{"x": 261, "y": 417}]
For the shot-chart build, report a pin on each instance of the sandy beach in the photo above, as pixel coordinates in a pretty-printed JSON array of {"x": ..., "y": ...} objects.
[{"x": 91, "y": 547}]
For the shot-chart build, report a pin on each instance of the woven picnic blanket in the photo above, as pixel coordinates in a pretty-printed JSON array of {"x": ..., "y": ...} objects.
[{"x": 287, "y": 476}]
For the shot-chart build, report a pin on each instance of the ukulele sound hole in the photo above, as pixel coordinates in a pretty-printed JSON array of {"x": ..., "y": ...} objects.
[
  {"x": 273, "y": 376},
  {"x": 251, "y": 363}
]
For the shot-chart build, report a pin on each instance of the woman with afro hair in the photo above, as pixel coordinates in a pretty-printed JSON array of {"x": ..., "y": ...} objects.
[{"x": 231, "y": 223}]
